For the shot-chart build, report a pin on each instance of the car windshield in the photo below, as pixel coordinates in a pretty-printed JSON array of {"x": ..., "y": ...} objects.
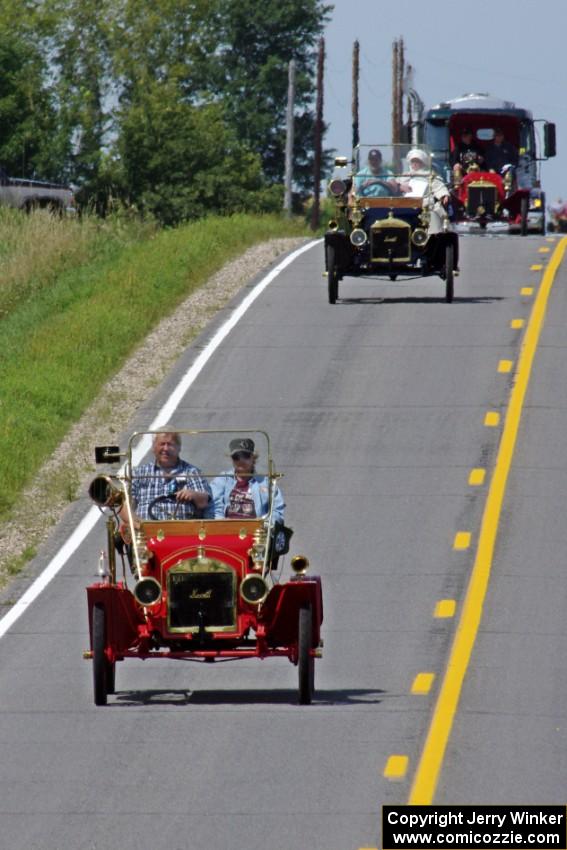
[
  {"x": 391, "y": 171},
  {"x": 161, "y": 463}
]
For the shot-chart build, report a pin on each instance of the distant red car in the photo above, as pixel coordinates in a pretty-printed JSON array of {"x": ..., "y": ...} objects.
[{"x": 196, "y": 589}]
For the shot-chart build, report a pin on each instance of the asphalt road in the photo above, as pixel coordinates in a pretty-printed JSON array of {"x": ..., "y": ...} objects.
[{"x": 377, "y": 412}]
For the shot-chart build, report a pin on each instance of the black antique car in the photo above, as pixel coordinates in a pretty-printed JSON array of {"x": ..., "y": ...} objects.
[{"x": 392, "y": 219}]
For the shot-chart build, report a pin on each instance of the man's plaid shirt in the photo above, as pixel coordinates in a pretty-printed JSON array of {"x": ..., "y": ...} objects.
[{"x": 150, "y": 481}]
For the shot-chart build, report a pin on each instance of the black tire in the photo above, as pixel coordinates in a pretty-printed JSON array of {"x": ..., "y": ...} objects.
[
  {"x": 306, "y": 662},
  {"x": 110, "y": 677},
  {"x": 449, "y": 273},
  {"x": 332, "y": 275},
  {"x": 100, "y": 664},
  {"x": 524, "y": 206}
]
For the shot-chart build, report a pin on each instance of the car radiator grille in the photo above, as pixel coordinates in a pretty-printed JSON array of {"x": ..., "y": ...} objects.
[
  {"x": 481, "y": 198},
  {"x": 197, "y": 600},
  {"x": 391, "y": 243}
]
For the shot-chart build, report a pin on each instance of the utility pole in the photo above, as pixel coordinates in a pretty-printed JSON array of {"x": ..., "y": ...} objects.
[
  {"x": 355, "y": 77},
  {"x": 288, "y": 179},
  {"x": 397, "y": 90},
  {"x": 318, "y": 137}
]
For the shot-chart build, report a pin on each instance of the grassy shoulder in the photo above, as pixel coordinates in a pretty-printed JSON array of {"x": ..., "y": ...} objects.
[{"x": 74, "y": 316}]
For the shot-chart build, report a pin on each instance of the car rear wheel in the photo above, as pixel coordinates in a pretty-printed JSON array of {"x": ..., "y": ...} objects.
[
  {"x": 524, "y": 204},
  {"x": 306, "y": 662},
  {"x": 100, "y": 663},
  {"x": 449, "y": 273},
  {"x": 332, "y": 275}
]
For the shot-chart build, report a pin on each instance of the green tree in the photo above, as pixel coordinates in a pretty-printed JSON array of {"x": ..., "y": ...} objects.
[
  {"x": 181, "y": 161},
  {"x": 27, "y": 113},
  {"x": 250, "y": 75},
  {"x": 78, "y": 40}
]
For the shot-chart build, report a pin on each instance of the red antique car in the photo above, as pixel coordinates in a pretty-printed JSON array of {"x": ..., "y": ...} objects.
[{"x": 202, "y": 588}]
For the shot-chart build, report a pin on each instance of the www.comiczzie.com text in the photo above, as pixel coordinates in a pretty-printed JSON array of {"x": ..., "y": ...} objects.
[{"x": 480, "y": 827}]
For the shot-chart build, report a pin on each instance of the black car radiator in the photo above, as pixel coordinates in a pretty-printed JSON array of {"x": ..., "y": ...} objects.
[
  {"x": 201, "y": 599},
  {"x": 390, "y": 241},
  {"x": 481, "y": 199}
]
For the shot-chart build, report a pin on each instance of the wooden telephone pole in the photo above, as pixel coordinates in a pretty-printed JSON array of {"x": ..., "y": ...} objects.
[
  {"x": 397, "y": 90},
  {"x": 288, "y": 179},
  {"x": 355, "y": 76},
  {"x": 318, "y": 137}
]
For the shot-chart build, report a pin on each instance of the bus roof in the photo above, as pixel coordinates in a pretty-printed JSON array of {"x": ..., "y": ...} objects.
[{"x": 477, "y": 103}]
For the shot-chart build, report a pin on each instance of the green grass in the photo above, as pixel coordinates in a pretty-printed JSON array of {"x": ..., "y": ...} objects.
[{"x": 86, "y": 300}]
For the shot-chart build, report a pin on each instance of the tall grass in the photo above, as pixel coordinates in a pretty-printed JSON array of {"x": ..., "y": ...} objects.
[
  {"x": 36, "y": 249},
  {"x": 90, "y": 294}
]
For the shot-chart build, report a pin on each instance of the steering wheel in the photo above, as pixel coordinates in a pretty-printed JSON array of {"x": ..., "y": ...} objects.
[
  {"x": 390, "y": 190},
  {"x": 160, "y": 500}
]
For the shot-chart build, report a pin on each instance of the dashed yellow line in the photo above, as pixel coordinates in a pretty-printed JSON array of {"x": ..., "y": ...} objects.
[
  {"x": 492, "y": 419},
  {"x": 537, "y": 267},
  {"x": 422, "y": 683},
  {"x": 517, "y": 323},
  {"x": 505, "y": 366},
  {"x": 527, "y": 290},
  {"x": 462, "y": 540},
  {"x": 427, "y": 773},
  {"x": 477, "y": 476},
  {"x": 396, "y": 767},
  {"x": 544, "y": 250},
  {"x": 445, "y": 608}
]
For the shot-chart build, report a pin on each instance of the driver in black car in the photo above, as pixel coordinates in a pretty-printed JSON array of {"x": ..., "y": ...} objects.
[
  {"x": 375, "y": 180},
  {"x": 169, "y": 487}
]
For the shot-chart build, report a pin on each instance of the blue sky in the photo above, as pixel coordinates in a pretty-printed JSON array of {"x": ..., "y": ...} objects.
[{"x": 513, "y": 49}]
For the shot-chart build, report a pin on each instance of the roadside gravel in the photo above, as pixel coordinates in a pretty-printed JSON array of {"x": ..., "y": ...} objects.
[{"x": 69, "y": 470}]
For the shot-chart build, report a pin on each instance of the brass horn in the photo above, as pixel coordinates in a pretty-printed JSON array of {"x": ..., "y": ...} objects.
[
  {"x": 299, "y": 564},
  {"x": 105, "y": 493}
]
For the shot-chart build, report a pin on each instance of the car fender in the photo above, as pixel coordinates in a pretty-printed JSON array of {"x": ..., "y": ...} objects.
[
  {"x": 338, "y": 240},
  {"x": 280, "y": 612}
]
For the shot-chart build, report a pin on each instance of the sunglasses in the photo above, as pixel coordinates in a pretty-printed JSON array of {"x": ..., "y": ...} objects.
[{"x": 242, "y": 456}]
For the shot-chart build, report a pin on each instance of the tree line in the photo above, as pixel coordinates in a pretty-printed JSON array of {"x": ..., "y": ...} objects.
[{"x": 174, "y": 107}]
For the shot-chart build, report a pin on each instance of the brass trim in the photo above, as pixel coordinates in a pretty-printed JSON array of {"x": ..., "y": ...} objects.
[
  {"x": 390, "y": 203},
  {"x": 390, "y": 223},
  {"x": 195, "y": 527}
]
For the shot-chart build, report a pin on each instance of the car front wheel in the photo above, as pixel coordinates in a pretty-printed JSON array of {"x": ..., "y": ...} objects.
[
  {"x": 524, "y": 205},
  {"x": 332, "y": 275},
  {"x": 306, "y": 662},
  {"x": 449, "y": 273},
  {"x": 103, "y": 672}
]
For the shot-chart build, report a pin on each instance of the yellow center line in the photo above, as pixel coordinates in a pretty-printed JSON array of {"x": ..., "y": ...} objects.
[{"x": 427, "y": 773}]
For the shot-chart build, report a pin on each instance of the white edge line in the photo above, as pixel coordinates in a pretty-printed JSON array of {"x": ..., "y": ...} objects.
[{"x": 89, "y": 520}]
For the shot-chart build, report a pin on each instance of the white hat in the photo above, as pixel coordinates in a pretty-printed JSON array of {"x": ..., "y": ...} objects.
[{"x": 416, "y": 153}]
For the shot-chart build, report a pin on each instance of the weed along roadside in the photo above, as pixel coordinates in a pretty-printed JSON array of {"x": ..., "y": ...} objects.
[{"x": 68, "y": 308}]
